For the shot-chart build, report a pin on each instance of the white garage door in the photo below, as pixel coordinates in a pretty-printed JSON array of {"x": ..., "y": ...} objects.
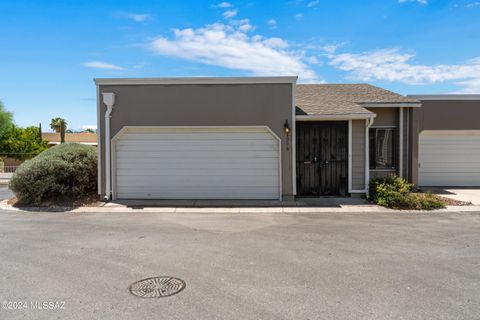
[
  {"x": 197, "y": 163},
  {"x": 449, "y": 158}
]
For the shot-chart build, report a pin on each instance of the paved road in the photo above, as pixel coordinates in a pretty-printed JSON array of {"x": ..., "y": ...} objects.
[
  {"x": 5, "y": 193},
  {"x": 243, "y": 266}
]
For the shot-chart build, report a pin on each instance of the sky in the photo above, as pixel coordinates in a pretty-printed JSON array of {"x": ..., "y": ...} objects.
[{"x": 52, "y": 50}]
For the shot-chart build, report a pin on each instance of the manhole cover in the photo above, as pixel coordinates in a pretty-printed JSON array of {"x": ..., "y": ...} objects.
[{"x": 157, "y": 287}]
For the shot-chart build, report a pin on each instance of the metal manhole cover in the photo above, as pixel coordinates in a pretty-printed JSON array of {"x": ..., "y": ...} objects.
[{"x": 157, "y": 287}]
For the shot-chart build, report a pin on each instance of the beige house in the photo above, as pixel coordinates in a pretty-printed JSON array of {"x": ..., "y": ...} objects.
[{"x": 87, "y": 138}]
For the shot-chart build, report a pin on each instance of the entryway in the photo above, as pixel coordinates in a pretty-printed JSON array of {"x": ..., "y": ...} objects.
[{"x": 322, "y": 158}]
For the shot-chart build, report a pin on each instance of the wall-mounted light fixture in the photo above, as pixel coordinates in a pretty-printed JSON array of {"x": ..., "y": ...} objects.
[{"x": 286, "y": 129}]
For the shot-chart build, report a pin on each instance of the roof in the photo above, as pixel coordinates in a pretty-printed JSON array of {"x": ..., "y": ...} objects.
[
  {"x": 80, "y": 137},
  {"x": 445, "y": 96},
  {"x": 342, "y": 99},
  {"x": 195, "y": 80}
]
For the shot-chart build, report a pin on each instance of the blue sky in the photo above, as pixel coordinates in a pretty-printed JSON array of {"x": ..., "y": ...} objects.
[{"x": 52, "y": 50}]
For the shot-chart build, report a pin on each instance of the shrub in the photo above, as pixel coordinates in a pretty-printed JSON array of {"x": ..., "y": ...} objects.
[
  {"x": 65, "y": 171},
  {"x": 395, "y": 192}
]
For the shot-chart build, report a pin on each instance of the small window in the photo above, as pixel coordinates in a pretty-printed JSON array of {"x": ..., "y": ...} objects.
[{"x": 383, "y": 148}]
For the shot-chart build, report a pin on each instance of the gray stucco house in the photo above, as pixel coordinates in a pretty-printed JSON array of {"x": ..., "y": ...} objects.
[{"x": 258, "y": 137}]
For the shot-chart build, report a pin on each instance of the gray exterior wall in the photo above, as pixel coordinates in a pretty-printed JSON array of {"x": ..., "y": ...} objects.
[
  {"x": 358, "y": 154},
  {"x": 441, "y": 114},
  {"x": 201, "y": 105}
]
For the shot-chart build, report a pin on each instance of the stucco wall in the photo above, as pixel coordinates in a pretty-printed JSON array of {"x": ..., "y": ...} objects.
[
  {"x": 202, "y": 105},
  {"x": 441, "y": 115},
  {"x": 358, "y": 154}
]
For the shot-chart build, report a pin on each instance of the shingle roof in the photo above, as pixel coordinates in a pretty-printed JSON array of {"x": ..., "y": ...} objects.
[
  {"x": 340, "y": 99},
  {"x": 80, "y": 137}
]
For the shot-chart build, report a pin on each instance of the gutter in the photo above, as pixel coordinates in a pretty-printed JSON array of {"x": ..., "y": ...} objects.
[{"x": 109, "y": 101}]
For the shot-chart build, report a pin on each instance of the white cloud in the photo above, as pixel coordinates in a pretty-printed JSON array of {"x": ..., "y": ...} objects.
[
  {"x": 313, "y": 3},
  {"x": 419, "y": 1},
  {"x": 102, "y": 65},
  {"x": 272, "y": 23},
  {"x": 392, "y": 65},
  {"x": 230, "y": 13},
  {"x": 138, "y": 17},
  {"x": 230, "y": 47},
  {"x": 299, "y": 16},
  {"x": 223, "y": 5},
  {"x": 473, "y": 4},
  {"x": 89, "y": 126}
]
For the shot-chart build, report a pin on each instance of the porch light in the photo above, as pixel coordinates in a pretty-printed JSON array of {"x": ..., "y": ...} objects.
[{"x": 286, "y": 129}]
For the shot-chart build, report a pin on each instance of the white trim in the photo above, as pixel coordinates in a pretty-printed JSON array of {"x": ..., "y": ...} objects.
[
  {"x": 384, "y": 127},
  {"x": 294, "y": 142},
  {"x": 99, "y": 145},
  {"x": 400, "y": 143},
  {"x": 196, "y": 128},
  {"x": 359, "y": 191},
  {"x": 391, "y": 105},
  {"x": 334, "y": 117},
  {"x": 368, "y": 124},
  {"x": 195, "y": 80},
  {"x": 445, "y": 96},
  {"x": 408, "y": 145},
  {"x": 109, "y": 101},
  {"x": 350, "y": 149},
  {"x": 449, "y": 132}
]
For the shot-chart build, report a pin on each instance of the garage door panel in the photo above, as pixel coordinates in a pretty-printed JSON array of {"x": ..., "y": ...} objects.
[
  {"x": 265, "y": 180},
  {"x": 199, "y": 154},
  {"x": 198, "y": 165},
  {"x": 228, "y": 136},
  {"x": 139, "y": 144},
  {"x": 170, "y": 163},
  {"x": 451, "y": 159}
]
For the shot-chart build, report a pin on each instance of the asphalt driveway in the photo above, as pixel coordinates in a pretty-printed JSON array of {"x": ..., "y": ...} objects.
[{"x": 243, "y": 266}]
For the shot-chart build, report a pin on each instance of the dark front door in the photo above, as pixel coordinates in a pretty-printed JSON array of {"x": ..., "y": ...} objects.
[{"x": 322, "y": 158}]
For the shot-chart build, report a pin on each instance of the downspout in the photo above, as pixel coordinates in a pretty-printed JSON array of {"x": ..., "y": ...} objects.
[
  {"x": 369, "y": 123},
  {"x": 109, "y": 101}
]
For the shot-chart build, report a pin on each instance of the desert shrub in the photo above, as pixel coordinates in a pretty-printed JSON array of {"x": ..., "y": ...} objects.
[
  {"x": 429, "y": 201},
  {"x": 66, "y": 170},
  {"x": 396, "y": 193}
]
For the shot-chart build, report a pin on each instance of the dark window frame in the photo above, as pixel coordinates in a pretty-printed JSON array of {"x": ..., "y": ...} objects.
[{"x": 373, "y": 154}]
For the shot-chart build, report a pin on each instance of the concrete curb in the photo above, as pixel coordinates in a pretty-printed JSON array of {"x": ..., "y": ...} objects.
[{"x": 276, "y": 209}]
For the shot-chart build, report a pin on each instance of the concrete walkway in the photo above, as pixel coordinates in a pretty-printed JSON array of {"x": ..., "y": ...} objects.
[{"x": 467, "y": 194}]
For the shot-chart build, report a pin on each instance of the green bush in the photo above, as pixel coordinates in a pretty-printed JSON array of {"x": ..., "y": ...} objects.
[
  {"x": 396, "y": 193},
  {"x": 65, "y": 171}
]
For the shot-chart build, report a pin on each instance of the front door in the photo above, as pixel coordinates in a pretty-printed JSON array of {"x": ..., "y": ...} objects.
[{"x": 322, "y": 158}]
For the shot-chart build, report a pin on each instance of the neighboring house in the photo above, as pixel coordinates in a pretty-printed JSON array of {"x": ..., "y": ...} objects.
[
  {"x": 87, "y": 138},
  {"x": 249, "y": 138},
  {"x": 446, "y": 141}
]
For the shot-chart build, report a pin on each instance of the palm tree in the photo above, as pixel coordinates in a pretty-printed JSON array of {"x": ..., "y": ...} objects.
[{"x": 57, "y": 123}]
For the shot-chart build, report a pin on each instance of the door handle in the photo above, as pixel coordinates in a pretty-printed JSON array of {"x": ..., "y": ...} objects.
[{"x": 307, "y": 162}]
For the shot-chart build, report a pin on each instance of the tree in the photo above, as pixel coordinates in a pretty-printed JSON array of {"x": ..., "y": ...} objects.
[
  {"x": 6, "y": 119},
  {"x": 57, "y": 123},
  {"x": 22, "y": 143},
  {"x": 89, "y": 130}
]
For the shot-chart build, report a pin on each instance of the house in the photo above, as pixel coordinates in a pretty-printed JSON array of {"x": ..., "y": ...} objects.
[
  {"x": 250, "y": 138},
  {"x": 446, "y": 140},
  {"x": 87, "y": 138}
]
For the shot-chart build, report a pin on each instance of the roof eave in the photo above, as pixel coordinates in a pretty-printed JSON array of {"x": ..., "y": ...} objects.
[
  {"x": 390, "y": 104},
  {"x": 336, "y": 117},
  {"x": 196, "y": 80}
]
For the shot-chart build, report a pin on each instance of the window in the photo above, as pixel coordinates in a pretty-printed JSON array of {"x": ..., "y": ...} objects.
[{"x": 383, "y": 148}]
